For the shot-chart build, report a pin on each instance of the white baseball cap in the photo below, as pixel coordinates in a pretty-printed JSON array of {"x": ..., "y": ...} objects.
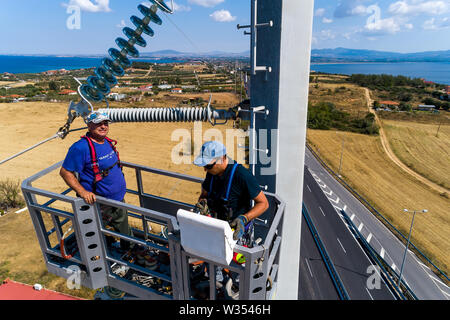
[{"x": 97, "y": 117}]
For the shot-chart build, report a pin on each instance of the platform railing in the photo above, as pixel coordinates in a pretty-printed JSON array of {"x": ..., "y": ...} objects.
[{"x": 97, "y": 263}]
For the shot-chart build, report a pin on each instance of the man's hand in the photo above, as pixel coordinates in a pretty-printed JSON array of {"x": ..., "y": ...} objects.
[
  {"x": 88, "y": 197},
  {"x": 239, "y": 226},
  {"x": 202, "y": 207},
  {"x": 72, "y": 181}
]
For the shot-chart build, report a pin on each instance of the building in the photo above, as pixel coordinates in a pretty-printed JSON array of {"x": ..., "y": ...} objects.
[
  {"x": 116, "y": 96},
  {"x": 177, "y": 90},
  {"x": 389, "y": 105},
  {"x": 68, "y": 92},
  {"x": 165, "y": 86},
  {"x": 425, "y": 107},
  {"x": 447, "y": 90},
  {"x": 147, "y": 87}
]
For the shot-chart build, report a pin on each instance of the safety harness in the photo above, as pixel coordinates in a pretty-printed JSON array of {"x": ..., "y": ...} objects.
[
  {"x": 224, "y": 201},
  {"x": 100, "y": 174}
]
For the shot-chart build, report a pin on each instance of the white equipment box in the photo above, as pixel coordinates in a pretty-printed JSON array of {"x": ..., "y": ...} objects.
[{"x": 206, "y": 237}]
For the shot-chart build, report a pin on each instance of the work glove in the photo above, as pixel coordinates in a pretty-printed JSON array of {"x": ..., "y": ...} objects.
[
  {"x": 238, "y": 225},
  {"x": 202, "y": 207}
]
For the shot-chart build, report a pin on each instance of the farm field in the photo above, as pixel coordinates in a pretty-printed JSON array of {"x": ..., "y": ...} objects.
[
  {"x": 416, "y": 145},
  {"x": 389, "y": 189}
]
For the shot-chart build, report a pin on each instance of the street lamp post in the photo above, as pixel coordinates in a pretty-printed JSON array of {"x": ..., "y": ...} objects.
[{"x": 407, "y": 244}]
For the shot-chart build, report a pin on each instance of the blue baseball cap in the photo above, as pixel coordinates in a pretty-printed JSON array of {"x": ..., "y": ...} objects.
[{"x": 210, "y": 151}]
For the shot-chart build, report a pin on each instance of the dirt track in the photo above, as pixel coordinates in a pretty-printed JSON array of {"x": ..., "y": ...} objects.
[{"x": 393, "y": 157}]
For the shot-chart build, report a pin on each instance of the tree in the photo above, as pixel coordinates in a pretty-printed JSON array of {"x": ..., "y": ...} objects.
[{"x": 53, "y": 86}]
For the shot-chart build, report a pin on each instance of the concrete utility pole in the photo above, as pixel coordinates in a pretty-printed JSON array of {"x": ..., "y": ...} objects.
[{"x": 280, "y": 66}]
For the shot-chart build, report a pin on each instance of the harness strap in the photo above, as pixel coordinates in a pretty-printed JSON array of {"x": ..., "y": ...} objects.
[
  {"x": 230, "y": 180},
  {"x": 98, "y": 175},
  {"x": 95, "y": 167}
]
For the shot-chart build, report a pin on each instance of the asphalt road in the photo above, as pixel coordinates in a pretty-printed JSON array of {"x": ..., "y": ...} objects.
[
  {"x": 314, "y": 280},
  {"x": 422, "y": 281},
  {"x": 350, "y": 261}
]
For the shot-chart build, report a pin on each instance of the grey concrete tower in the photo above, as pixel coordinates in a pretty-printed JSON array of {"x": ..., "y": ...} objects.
[{"x": 280, "y": 65}]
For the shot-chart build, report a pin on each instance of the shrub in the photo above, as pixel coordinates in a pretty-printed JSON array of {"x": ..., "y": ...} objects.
[{"x": 10, "y": 194}]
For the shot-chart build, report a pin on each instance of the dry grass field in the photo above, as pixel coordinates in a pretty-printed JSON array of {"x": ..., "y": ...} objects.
[
  {"x": 346, "y": 97},
  {"x": 150, "y": 144},
  {"x": 417, "y": 145},
  {"x": 389, "y": 189}
]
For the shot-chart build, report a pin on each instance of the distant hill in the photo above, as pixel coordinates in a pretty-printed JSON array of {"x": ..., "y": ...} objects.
[
  {"x": 356, "y": 55},
  {"x": 323, "y": 55},
  {"x": 317, "y": 55},
  {"x": 212, "y": 54}
]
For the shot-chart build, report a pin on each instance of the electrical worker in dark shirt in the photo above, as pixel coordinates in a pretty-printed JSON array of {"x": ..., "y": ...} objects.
[{"x": 229, "y": 188}]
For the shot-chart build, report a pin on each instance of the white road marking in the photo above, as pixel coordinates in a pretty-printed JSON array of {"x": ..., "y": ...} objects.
[
  {"x": 21, "y": 210},
  {"x": 322, "y": 186},
  {"x": 341, "y": 245},
  {"x": 328, "y": 193},
  {"x": 393, "y": 266},
  {"x": 369, "y": 294},
  {"x": 335, "y": 201},
  {"x": 309, "y": 188},
  {"x": 309, "y": 268},
  {"x": 369, "y": 237},
  {"x": 435, "y": 279},
  {"x": 382, "y": 252},
  {"x": 352, "y": 217},
  {"x": 322, "y": 211},
  {"x": 360, "y": 227},
  {"x": 345, "y": 207}
]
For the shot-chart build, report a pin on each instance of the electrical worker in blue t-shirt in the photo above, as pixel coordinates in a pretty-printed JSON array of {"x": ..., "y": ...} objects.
[
  {"x": 229, "y": 189},
  {"x": 95, "y": 160}
]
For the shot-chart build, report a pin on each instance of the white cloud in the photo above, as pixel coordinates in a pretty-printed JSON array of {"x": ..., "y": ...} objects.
[
  {"x": 206, "y": 3},
  {"x": 327, "y": 35},
  {"x": 349, "y": 8},
  {"x": 179, "y": 7},
  {"x": 319, "y": 12},
  {"x": 429, "y": 25},
  {"x": 408, "y": 7},
  {"x": 376, "y": 26},
  {"x": 435, "y": 24},
  {"x": 326, "y": 20},
  {"x": 222, "y": 16},
  {"x": 87, "y": 5},
  {"x": 122, "y": 24},
  {"x": 382, "y": 27}
]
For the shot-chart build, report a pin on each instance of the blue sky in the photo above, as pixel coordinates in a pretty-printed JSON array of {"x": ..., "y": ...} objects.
[{"x": 40, "y": 26}]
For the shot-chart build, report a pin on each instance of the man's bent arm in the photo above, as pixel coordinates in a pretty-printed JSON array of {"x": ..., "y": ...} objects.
[
  {"x": 261, "y": 205},
  {"x": 72, "y": 181}
]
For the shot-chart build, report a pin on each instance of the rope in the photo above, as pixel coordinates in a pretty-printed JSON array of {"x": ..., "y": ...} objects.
[{"x": 37, "y": 145}]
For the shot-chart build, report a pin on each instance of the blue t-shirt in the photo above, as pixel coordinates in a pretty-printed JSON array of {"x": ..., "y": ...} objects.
[{"x": 78, "y": 159}]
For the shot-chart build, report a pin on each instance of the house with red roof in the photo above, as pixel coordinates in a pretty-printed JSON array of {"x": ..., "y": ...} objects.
[{"x": 67, "y": 92}]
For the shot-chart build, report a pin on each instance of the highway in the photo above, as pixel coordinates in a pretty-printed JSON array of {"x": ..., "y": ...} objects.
[
  {"x": 423, "y": 282},
  {"x": 314, "y": 281},
  {"x": 350, "y": 261}
]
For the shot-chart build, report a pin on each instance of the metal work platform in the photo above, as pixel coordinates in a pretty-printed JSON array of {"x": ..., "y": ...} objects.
[{"x": 88, "y": 256}]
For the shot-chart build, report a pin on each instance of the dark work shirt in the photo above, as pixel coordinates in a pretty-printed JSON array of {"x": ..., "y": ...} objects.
[{"x": 244, "y": 188}]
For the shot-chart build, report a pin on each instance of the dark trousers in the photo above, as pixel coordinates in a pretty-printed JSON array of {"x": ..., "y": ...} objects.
[{"x": 117, "y": 218}]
